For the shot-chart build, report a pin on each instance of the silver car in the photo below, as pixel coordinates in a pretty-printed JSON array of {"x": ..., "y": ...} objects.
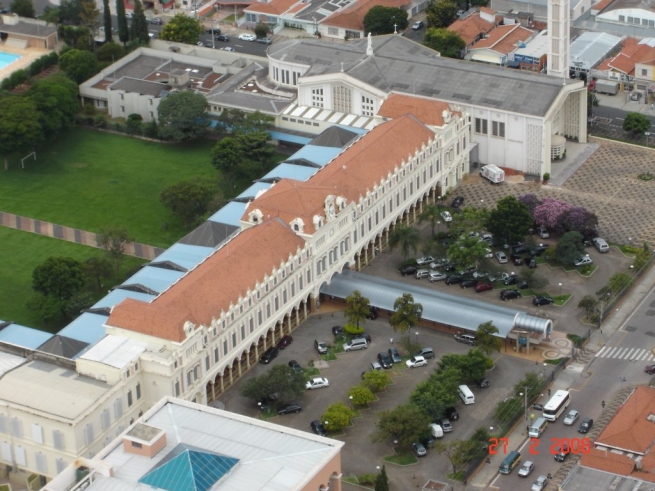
[
  {"x": 571, "y": 417},
  {"x": 526, "y": 468},
  {"x": 502, "y": 257},
  {"x": 540, "y": 483}
]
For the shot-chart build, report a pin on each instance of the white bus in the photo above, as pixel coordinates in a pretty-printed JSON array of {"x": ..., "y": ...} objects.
[{"x": 557, "y": 404}]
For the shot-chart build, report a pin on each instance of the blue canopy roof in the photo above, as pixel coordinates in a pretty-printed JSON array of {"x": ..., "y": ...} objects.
[
  {"x": 252, "y": 191},
  {"x": 231, "y": 213},
  {"x": 184, "y": 255},
  {"x": 317, "y": 155},
  {"x": 25, "y": 337},
  {"x": 87, "y": 327},
  {"x": 155, "y": 279},
  {"x": 290, "y": 171},
  {"x": 117, "y": 296},
  {"x": 287, "y": 137}
]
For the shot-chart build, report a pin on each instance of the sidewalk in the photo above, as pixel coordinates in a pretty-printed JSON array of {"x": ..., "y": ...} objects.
[
  {"x": 487, "y": 472},
  {"x": 72, "y": 234}
]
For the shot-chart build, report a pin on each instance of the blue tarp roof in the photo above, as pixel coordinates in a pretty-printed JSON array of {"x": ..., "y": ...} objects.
[
  {"x": 290, "y": 171},
  {"x": 185, "y": 255},
  {"x": 286, "y": 137},
  {"x": 231, "y": 213},
  {"x": 117, "y": 296},
  {"x": 87, "y": 327},
  {"x": 24, "y": 336},
  {"x": 317, "y": 155},
  {"x": 156, "y": 279},
  {"x": 252, "y": 191}
]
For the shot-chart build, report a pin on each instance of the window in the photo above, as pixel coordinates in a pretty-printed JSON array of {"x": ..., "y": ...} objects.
[
  {"x": 177, "y": 389},
  {"x": 644, "y": 71},
  {"x": 41, "y": 462},
  {"x": 138, "y": 386},
  {"x": 481, "y": 126},
  {"x": 118, "y": 408},
  {"x": 122, "y": 97},
  {"x": 129, "y": 398},
  {"x": 16, "y": 427},
  {"x": 105, "y": 419},
  {"x": 58, "y": 439},
  {"x": 216, "y": 354},
  {"x": 88, "y": 434},
  {"x": 368, "y": 108},
  {"x": 225, "y": 348},
  {"x": 498, "y": 129},
  {"x": 37, "y": 433},
  {"x": 251, "y": 323},
  {"x": 234, "y": 339},
  {"x": 136, "y": 444},
  {"x": 342, "y": 99},
  {"x": 122, "y": 109},
  {"x": 3, "y": 423},
  {"x": 333, "y": 31}
]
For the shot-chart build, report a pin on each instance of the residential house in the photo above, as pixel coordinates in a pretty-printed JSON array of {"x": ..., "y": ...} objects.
[
  {"x": 473, "y": 26},
  {"x": 630, "y": 67},
  {"x": 499, "y": 45}
]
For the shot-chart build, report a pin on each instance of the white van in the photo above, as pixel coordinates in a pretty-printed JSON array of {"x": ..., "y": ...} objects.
[
  {"x": 538, "y": 427},
  {"x": 436, "y": 431},
  {"x": 466, "y": 395}
]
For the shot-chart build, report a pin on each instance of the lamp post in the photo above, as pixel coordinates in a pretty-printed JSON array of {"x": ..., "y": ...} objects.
[
  {"x": 525, "y": 402},
  {"x": 543, "y": 373},
  {"x": 438, "y": 227},
  {"x": 416, "y": 336},
  {"x": 351, "y": 401},
  {"x": 602, "y": 308},
  {"x": 647, "y": 134},
  {"x": 560, "y": 288}
]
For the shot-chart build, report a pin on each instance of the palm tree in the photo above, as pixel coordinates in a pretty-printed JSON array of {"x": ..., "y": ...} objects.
[
  {"x": 406, "y": 237},
  {"x": 431, "y": 214},
  {"x": 485, "y": 339},
  {"x": 407, "y": 314},
  {"x": 357, "y": 308}
]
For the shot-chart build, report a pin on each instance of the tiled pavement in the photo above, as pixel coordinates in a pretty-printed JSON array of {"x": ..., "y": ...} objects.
[
  {"x": 71, "y": 234},
  {"x": 605, "y": 183}
]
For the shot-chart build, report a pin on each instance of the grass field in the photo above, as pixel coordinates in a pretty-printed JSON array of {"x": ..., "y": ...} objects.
[
  {"x": 20, "y": 253},
  {"x": 86, "y": 179}
]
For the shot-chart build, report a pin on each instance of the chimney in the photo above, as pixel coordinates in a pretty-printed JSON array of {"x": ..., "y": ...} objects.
[{"x": 144, "y": 440}]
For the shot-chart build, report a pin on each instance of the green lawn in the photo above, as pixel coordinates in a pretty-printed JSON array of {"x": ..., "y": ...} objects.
[
  {"x": 20, "y": 253},
  {"x": 87, "y": 179}
]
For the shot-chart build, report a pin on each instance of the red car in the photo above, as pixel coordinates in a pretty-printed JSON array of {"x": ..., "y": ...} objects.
[
  {"x": 284, "y": 342},
  {"x": 483, "y": 287}
]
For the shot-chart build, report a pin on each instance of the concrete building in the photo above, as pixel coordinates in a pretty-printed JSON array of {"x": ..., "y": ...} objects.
[
  {"x": 182, "y": 446},
  {"x": 498, "y": 46},
  {"x": 21, "y": 32},
  {"x": 632, "y": 67},
  {"x": 623, "y": 18},
  {"x": 589, "y": 50},
  {"x": 539, "y": 8}
]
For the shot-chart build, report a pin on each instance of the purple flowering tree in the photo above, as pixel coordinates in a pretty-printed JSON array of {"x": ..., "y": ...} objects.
[
  {"x": 530, "y": 200},
  {"x": 550, "y": 212},
  {"x": 579, "y": 219}
]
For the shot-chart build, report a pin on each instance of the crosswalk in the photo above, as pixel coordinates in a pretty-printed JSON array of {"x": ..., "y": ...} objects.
[{"x": 637, "y": 354}]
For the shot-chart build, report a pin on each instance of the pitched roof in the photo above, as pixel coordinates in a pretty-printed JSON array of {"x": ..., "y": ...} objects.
[
  {"x": 633, "y": 52},
  {"x": 276, "y": 7},
  {"x": 632, "y": 428},
  {"x": 604, "y": 460},
  {"x": 213, "y": 286},
  {"x": 353, "y": 17},
  {"x": 350, "y": 174},
  {"x": 504, "y": 39},
  {"x": 428, "y": 111},
  {"x": 472, "y": 26}
]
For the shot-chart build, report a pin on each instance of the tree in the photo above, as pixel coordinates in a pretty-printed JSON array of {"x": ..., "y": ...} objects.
[
  {"x": 449, "y": 43},
  {"x": 280, "y": 381},
  {"x": 360, "y": 395},
  {"x": 618, "y": 281},
  {"x": 69, "y": 12},
  {"x": 382, "y": 481},
  {"x": 406, "y": 237},
  {"x": 471, "y": 366},
  {"x": 261, "y": 30},
  {"x": 578, "y": 219},
  {"x": 183, "y": 116},
  {"x": 530, "y": 200},
  {"x": 467, "y": 251},
  {"x": 549, "y": 213},
  {"x": 188, "y": 199},
  {"x": 534, "y": 279},
  {"x": 431, "y": 214},
  {"x": 437, "y": 393},
  {"x": 236, "y": 121},
  {"x": 139, "y": 27},
  {"x": 569, "y": 248},
  {"x": 133, "y": 124},
  {"x": 440, "y": 13},
  {"x": 510, "y": 220},
  {"x": 106, "y": 21},
  {"x": 532, "y": 382},
  {"x": 97, "y": 268},
  {"x": 407, "y": 314},
  {"x": 19, "y": 125},
  {"x": 23, "y": 8},
  {"x": 357, "y": 308},
  {"x": 89, "y": 17},
  {"x": 376, "y": 380},
  {"x": 114, "y": 239},
  {"x": 182, "y": 29},
  {"x": 50, "y": 308},
  {"x": 337, "y": 416},
  {"x": 123, "y": 31},
  {"x": 636, "y": 123},
  {"x": 50, "y": 14},
  {"x": 254, "y": 145},
  {"x": 592, "y": 101},
  {"x": 588, "y": 304},
  {"x": 110, "y": 52},
  {"x": 406, "y": 424},
  {"x": 458, "y": 452},
  {"x": 486, "y": 340},
  {"x": 380, "y": 20},
  {"x": 79, "y": 65},
  {"x": 57, "y": 100},
  {"x": 226, "y": 155},
  {"x": 60, "y": 277}
]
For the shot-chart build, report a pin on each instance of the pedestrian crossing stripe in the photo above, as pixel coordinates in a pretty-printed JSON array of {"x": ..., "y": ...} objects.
[{"x": 637, "y": 354}]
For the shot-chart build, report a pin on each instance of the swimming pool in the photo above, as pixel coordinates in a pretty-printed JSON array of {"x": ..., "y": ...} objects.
[{"x": 7, "y": 58}]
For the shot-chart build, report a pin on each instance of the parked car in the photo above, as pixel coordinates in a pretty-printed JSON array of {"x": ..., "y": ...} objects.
[
  {"x": 483, "y": 287},
  {"x": 453, "y": 279},
  {"x": 468, "y": 283},
  {"x": 451, "y": 413},
  {"x": 539, "y": 301},
  {"x": 526, "y": 469},
  {"x": 447, "y": 217},
  {"x": 543, "y": 232},
  {"x": 416, "y": 361},
  {"x": 422, "y": 273},
  {"x": 228, "y": 48},
  {"x": 635, "y": 96},
  {"x": 284, "y": 341},
  {"x": 465, "y": 338},
  {"x": 212, "y": 30},
  {"x": 511, "y": 280},
  {"x": 517, "y": 259},
  {"x": 337, "y": 331},
  {"x": 424, "y": 260},
  {"x": 562, "y": 453},
  {"x": 375, "y": 365},
  {"x": 384, "y": 360},
  {"x": 539, "y": 484},
  {"x": 158, "y": 22},
  {"x": 295, "y": 366},
  {"x": 457, "y": 202},
  {"x": 436, "y": 276},
  {"x": 372, "y": 314},
  {"x": 445, "y": 425},
  {"x": 650, "y": 369},
  {"x": 501, "y": 257},
  {"x": 483, "y": 383},
  {"x": 419, "y": 450},
  {"x": 487, "y": 237},
  {"x": 264, "y": 40},
  {"x": 222, "y": 37},
  {"x": 291, "y": 407},
  {"x": 538, "y": 407},
  {"x": 600, "y": 244},
  {"x": 538, "y": 250},
  {"x": 355, "y": 344},
  {"x": 510, "y": 294},
  {"x": 532, "y": 263},
  {"x": 585, "y": 426},
  {"x": 425, "y": 353},
  {"x": 417, "y": 25},
  {"x": 363, "y": 335},
  {"x": 408, "y": 270},
  {"x": 247, "y": 37},
  {"x": 520, "y": 249},
  {"x": 269, "y": 355},
  {"x": 571, "y": 417},
  {"x": 317, "y": 383},
  {"x": 583, "y": 260},
  {"x": 429, "y": 441},
  {"x": 318, "y": 428},
  {"x": 394, "y": 355},
  {"x": 320, "y": 346}
]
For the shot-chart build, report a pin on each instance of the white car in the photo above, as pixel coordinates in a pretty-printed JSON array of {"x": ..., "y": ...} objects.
[
  {"x": 447, "y": 217},
  {"x": 424, "y": 260},
  {"x": 571, "y": 417},
  {"x": 436, "y": 276},
  {"x": 488, "y": 253},
  {"x": 543, "y": 233},
  {"x": 422, "y": 273},
  {"x": 416, "y": 361},
  {"x": 502, "y": 257},
  {"x": 583, "y": 260},
  {"x": 247, "y": 37},
  {"x": 228, "y": 48},
  {"x": 540, "y": 483},
  {"x": 526, "y": 468},
  {"x": 317, "y": 383}
]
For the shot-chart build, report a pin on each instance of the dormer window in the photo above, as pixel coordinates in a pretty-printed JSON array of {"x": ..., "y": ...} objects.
[
  {"x": 255, "y": 216},
  {"x": 298, "y": 225}
]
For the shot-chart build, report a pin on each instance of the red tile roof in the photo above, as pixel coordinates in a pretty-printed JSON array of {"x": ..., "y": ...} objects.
[
  {"x": 472, "y": 26},
  {"x": 601, "y": 5},
  {"x": 352, "y": 18},
  {"x": 427, "y": 111},
  {"x": 631, "y": 54},
  {"x": 504, "y": 39},
  {"x": 201, "y": 295},
  {"x": 276, "y": 7}
]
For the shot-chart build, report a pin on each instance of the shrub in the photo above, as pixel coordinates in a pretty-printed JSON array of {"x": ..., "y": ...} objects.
[
  {"x": 353, "y": 329},
  {"x": 547, "y": 176},
  {"x": 575, "y": 339},
  {"x": 361, "y": 395},
  {"x": 100, "y": 121},
  {"x": 150, "y": 129},
  {"x": 366, "y": 479},
  {"x": 489, "y": 363},
  {"x": 586, "y": 269}
]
